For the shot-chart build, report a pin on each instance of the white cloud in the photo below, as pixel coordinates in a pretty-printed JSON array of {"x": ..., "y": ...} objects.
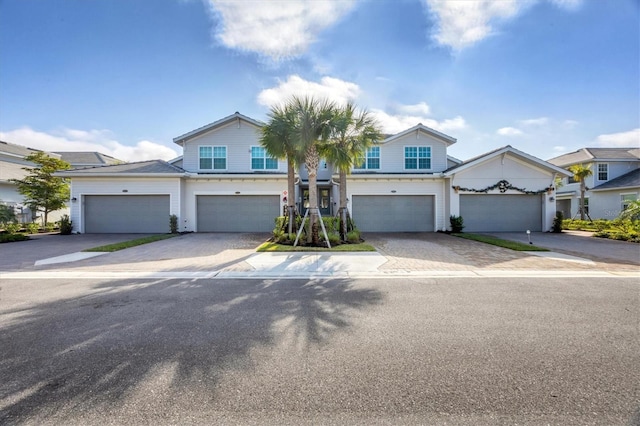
[
  {"x": 535, "y": 121},
  {"x": 399, "y": 122},
  {"x": 275, "y": 29},
  {"x": 340, "y": 91},
  {"x": 420, "y": 108},
  {"x": 509, "y": 131},
  {"x": 630, "y": 139},
  {"x": 330, "y": 88},
  {"x": 462, "y": 23},
  {"x": 567, "y": 4},
  {"x": 91, "y": 140},
  {"x": 569, "y": 124}
]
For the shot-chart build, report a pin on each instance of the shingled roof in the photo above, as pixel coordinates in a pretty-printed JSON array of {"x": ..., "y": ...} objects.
[
  {"x": 147, "y": 168},
  {"x": 588, "y": 155},
  {"x": 87, "y": 158},
  {"x": 628, "y": 180}
]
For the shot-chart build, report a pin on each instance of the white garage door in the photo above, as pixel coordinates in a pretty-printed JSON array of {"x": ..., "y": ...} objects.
[
  {"x": 237, "y": 213},
  {"x": 394, "y": 213},
  {"x": 501, "y": 213},
  {"x": 118, "y": 214}
]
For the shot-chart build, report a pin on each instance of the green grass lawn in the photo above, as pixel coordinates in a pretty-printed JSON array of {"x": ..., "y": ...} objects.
[
  {"x": 131, "y": 243},
  {"x": 513, "y": 245},
  {"x": 273, "y": 247}
]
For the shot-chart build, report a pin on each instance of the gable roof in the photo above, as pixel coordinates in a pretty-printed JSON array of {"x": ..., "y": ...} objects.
[
  {"x": 19, "y": 151},
  {"x": 87, "y": 158},
  {"x": 180, "y": 140},
  {"x": 627, "y": 180},
  {"x": 153, "y": 168},
  {"x": 586, "y": 155},
  {"x": 421, "y": 127},
  {"x": 504, "y": 150}
]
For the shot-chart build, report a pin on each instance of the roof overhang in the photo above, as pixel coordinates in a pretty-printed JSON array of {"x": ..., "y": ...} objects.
[
  {"x": 422, "y": 128},
  {"x": 509, "y": 150},
  {"x": 237, "y": 117}
]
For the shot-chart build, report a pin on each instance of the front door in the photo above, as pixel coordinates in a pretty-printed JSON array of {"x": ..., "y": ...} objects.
[{"x": 324, "y": 201}]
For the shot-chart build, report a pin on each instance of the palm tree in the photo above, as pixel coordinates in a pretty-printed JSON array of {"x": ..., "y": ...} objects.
[
  {"x": 352, "y": 132},
  {"x": 580, "y": 174},
  {"x": 279, "y": 140},
  {"x": 313, "y": 126}
]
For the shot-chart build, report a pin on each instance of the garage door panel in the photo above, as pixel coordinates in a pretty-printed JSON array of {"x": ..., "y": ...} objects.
[
  {"x": 237, "y": 213},
  {"x": 501, "y": 213},
  {"x": 399, "y": 213},
  {"x": 118, "y": 214}
]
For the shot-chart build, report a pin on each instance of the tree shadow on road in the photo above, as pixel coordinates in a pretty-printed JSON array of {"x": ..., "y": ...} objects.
[{"x": 95, "y": 351}]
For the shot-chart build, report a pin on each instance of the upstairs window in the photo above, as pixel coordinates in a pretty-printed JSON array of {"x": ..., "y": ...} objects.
[
  {"x": 213, "y": 157},
  {"x": 603, "y": 171},
  {"x": 370, "y": 161},
  {"x": 417, "y": 157},
  {"x": 261, "y": 161}
]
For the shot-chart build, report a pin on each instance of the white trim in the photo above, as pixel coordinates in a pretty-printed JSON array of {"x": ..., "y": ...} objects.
[
  {"x": 266, "y": 155},
  {"x": 597, "y": 177},
  {"x": 417, "y": 169},
  {"x": 213, "y": 169}
]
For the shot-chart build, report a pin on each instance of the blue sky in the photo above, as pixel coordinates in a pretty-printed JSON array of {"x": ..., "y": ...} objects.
[{"x": 126, "y": 77}]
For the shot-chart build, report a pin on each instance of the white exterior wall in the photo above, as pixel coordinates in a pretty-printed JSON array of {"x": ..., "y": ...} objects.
[
  {"x": 392, "y": 154},
  {"x": 608, "y": 204},
  {"x": 238, "y": 136},
  {"x": 227, "y": 186},
  {"x": 401, "y": 186},
  {"x": 116, "y": 186},
  {"x": 517, "y": 172}
]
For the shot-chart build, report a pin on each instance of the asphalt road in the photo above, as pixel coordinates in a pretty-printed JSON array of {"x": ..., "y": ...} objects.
[{"x": 451, "y": 351}]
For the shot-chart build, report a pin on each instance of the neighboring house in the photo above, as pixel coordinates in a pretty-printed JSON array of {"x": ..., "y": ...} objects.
[
  {"x": 12, "y": 161},
  {"x": 82, "y": 159},
  {"x": 615, "y": 181},
  {"x": 226, "y": 182}
]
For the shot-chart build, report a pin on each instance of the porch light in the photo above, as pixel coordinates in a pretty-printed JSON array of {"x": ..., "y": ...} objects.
[{"x": 74, "y": 199}]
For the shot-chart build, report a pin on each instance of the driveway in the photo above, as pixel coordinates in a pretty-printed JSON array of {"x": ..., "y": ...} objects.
[
  {"x": 398, "y": 252},
  {"x": 581, "y": 243}
]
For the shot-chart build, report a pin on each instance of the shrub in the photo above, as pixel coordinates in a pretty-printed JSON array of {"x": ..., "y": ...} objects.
[
  {"x": 173, "y": 224},
  {"x": 457, "y": 223},
  {"x": 66, "y": 225},
  {"x": 32, "y": 227},
  {"x": 50, "y": 226},
  {"x": 10, "y": 238},
  {"x": 12, "y": 227},
  {"x": 353, "y": 237},
  {"x": 557, "y": 223}
]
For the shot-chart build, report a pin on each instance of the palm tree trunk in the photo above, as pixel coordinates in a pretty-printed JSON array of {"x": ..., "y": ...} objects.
[
  {"x": 311, "y": 161},
  {"x": 291, "y": 199},
  {"x": 582, "y": 191},
  {"x": 343, "y": 205}
]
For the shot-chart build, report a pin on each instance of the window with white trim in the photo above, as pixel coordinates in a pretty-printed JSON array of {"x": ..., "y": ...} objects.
[
  {"x": 370, "y": 160},
  {"x": 417, "y": 157},
  {"x": 260, "y": 160},
  {"x": 212, "y": 157},
  {"x": 603, "y": 171}
]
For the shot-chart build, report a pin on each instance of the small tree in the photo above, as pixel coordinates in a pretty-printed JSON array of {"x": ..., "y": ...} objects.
[
  {"x": 43, "y": 191},
  {"x": 7, "y": 215},
  {"x": 580, "y": 174}
]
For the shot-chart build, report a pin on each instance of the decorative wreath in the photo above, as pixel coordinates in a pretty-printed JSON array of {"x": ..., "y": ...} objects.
[{"x": 503, "y": 186}]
